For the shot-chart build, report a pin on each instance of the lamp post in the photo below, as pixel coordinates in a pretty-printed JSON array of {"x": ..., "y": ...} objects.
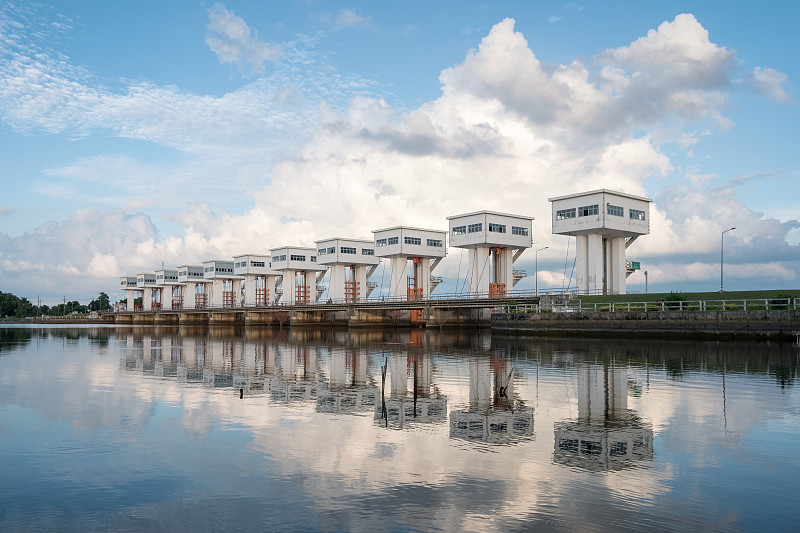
[
  {"x": 645, "y": 281},
  {"x": 721, "y": 257},
  {"x": 536, "y": 274}
]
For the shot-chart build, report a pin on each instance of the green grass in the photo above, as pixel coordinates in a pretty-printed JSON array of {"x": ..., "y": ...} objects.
[{"x": 688, "y": 296}]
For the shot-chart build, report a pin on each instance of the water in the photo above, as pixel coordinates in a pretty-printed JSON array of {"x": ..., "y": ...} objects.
[{"x": 136, "y": 428}]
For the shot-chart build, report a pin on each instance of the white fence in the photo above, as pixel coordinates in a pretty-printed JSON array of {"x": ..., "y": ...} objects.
[{"x": 765, "y": 304}]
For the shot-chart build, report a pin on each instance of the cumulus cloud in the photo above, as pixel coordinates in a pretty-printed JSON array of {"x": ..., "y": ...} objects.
[
  {"x": 506, "y": 133},
  {"x": 772, "y": 82},
  {"x": 235, "y": 42}
]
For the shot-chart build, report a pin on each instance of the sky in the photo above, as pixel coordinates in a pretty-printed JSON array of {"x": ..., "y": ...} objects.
[{"x": 139, "y": 134}]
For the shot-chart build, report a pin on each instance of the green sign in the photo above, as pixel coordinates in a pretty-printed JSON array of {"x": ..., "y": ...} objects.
[{"x": 635, "y": 265}]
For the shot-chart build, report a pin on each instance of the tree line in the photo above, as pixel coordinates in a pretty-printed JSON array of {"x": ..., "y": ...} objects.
[{"x": 12, "y": 306}]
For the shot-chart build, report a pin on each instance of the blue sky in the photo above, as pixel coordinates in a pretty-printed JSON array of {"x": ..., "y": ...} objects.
[{"x": 136, "y": 134}]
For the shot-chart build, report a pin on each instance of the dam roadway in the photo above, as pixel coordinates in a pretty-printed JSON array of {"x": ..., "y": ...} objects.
[{"x": 444, "y": 310}]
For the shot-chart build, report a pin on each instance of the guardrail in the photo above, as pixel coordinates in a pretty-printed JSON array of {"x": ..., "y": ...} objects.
[
  {"x": 759, "y": 304},
  {"x": 480, "y": 298}
]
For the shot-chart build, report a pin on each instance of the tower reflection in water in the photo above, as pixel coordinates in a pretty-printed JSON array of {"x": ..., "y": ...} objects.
[
  {"x": 398, "y": 406},
  {"x": 607, "y": 435},
  {"x": 495, "y": 414}
]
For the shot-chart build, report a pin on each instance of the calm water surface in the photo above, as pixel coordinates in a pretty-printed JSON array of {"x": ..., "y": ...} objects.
[{"x": 136, "y": 428}]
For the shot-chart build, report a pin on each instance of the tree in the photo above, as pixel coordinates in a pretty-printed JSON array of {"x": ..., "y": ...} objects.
[{"x": 102, "y": 303}]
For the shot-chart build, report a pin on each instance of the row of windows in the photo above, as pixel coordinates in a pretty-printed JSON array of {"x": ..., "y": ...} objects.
[
  {"x": 243, "y": 264},
  {"x": 497, "y": 228},
  {"x": 636, "y": 214},
  {"x": 588, "y": 210},
  {"x": 615, "y": 210},
  {"x": 435, "y": 243},
  {"x": 516, "y": 230},
  {"x": 459, "y": 230},
  {"x": 474, "y": 228},
  {"x": 188, "y": 274},
  {"x": 367, "y": 251},
  {"x": 412, "y": 240},
  {"x": 296, "y": 257},
  {"x": 326, "y": 251},
  {"x": 563, "y": 214},
  {"x": 278, "y": 258},
  {"x": 347, "y": 250}
]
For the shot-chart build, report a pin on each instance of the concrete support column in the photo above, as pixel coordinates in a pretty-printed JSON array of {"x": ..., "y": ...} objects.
[
  {"x": 360, "y": 277},
  {"x": 594, "y": 251},
  {"x": 166, "y": 297},
  {"x": 289, "y": 282},
  {"x": 147, "y": 298},
  {"x": 249, "y": 285},
  {"x": 422, "y": 276},
  {"x": 581, "y": 266},
  {"x": 504, "y": 267},
  {"x": 338, "y": 276},
  {"x": 616, "y": 266},
  {"x": 398, "y": 282},
  {"x": 480, "y": 270},
  {"x": 238, "y": 294},
  {"x": 188, "y": 296}
]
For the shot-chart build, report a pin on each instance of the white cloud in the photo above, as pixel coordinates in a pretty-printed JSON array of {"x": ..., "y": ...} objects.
[
  {"x": 506, "y": 133},
  {"x": 5, "y": 210},
  {"x": 772, "y": 82},
  {"x": 235, "y": 42},
  {"x": 348, "y": 18},
  {"x": 345, "y": 18}
]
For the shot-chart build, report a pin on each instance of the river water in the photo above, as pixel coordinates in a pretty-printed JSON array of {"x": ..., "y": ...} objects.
[{"x": 141, "y": 428}]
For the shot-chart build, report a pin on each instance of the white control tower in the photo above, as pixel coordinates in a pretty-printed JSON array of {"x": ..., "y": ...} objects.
[
  {"x": 604, "y": 223},
  {"x": 350, "y": 262},
  {"x": 495, "y": 241},
  {"x": 424, "y": 248}
]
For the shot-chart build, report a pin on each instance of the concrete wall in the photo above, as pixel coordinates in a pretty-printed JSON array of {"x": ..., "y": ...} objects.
[{"x": 728, "y": 324}]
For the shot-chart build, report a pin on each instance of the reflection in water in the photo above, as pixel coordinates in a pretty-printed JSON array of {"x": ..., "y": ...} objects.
[
  {"x": 286, "y": 429},
  {"x": 398, "y": 406},
  {"x": 607, "y": 435},
  {"x": 495, "y": 413}
]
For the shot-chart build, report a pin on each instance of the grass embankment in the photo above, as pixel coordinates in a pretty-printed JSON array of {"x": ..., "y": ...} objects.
[{"x": 692, "y": 296}]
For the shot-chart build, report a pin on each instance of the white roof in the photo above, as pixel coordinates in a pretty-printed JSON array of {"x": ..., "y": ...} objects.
[
  {"x": 597, "y": 191},
  {"x": 491, "y": 213}
]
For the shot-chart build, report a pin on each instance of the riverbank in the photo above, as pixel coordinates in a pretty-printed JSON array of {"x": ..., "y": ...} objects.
[{"x": 734, "y": 325}]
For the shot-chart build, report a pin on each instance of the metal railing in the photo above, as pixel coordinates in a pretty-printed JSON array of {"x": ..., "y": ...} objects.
[
  {"x": 485, "y": 299},
  {"x": 750, "y": 304}
]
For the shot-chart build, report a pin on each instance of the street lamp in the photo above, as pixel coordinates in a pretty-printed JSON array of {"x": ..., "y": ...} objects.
[
  {"x": 536, "y": 274},
  {"x": 721, "y": 250}
]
